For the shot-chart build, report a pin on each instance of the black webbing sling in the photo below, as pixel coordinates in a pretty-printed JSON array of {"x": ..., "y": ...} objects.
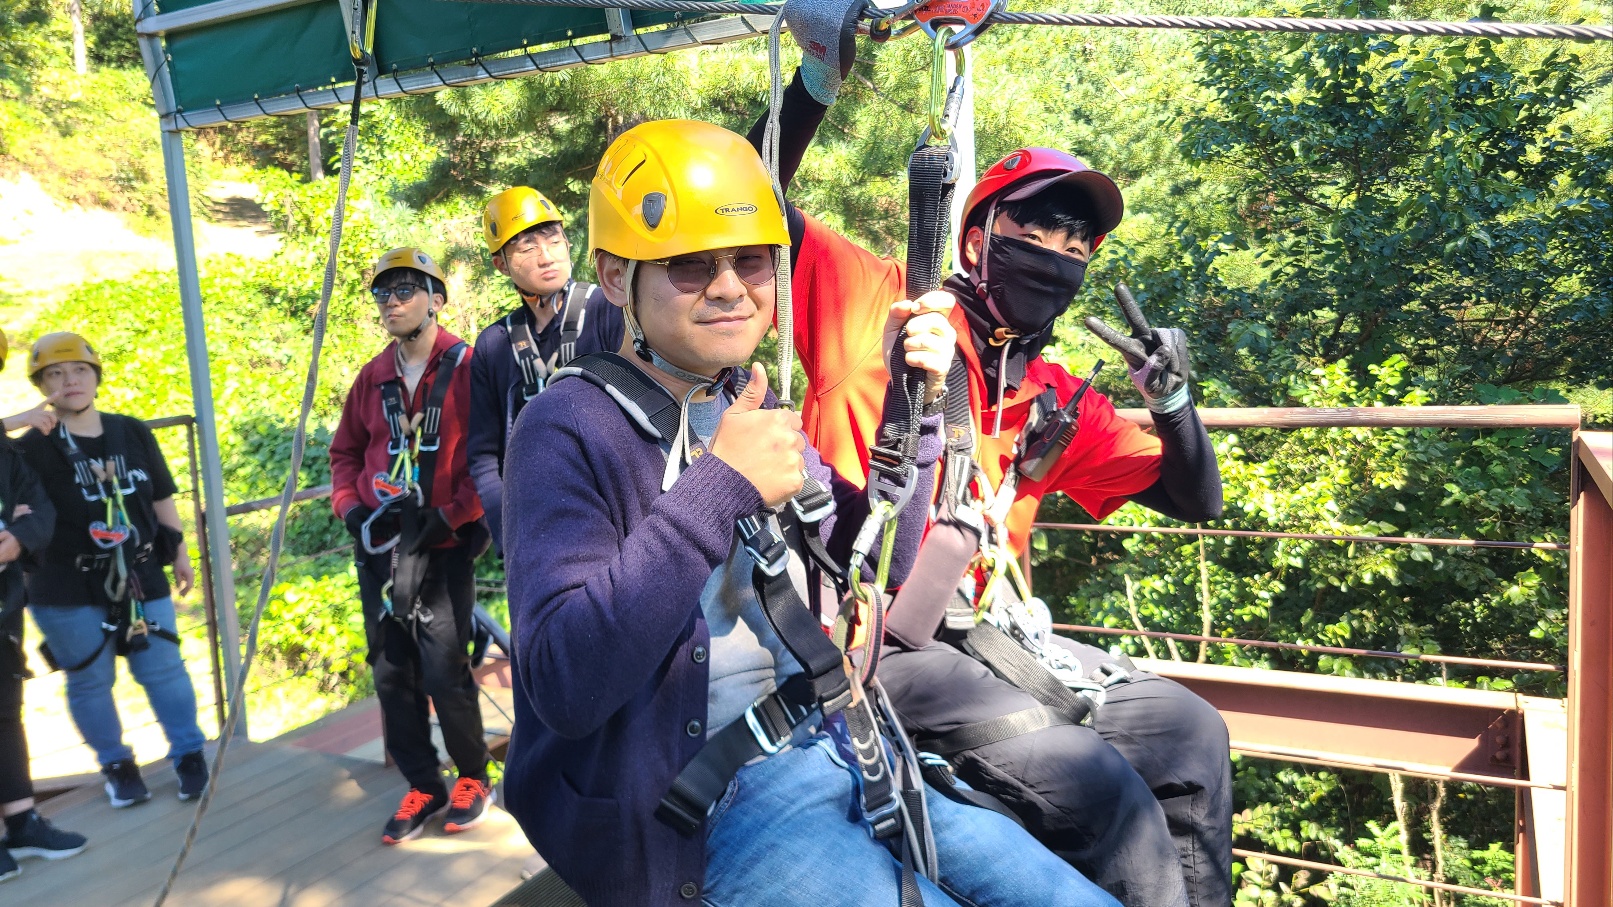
[{"x": 409, "y": 566}]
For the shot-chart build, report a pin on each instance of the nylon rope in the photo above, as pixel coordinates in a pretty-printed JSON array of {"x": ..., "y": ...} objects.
[
  {"x": 277, "y": 538},
  {"x": 1200, "y": 23},
  {"x": 783, "y": 301}
]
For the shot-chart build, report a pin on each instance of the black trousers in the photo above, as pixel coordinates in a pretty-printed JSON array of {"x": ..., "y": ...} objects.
[
  {"x": 1140, "y": 803},
  {"x": 420, "y": 658},
  {"x": 15, "y": 781}
]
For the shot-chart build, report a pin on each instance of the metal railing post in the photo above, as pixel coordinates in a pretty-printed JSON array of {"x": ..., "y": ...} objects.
[
  {"x": 1589, "y": 869},
  {"x": 206, "y": 557},
  {"x": 201, "y": 380}
]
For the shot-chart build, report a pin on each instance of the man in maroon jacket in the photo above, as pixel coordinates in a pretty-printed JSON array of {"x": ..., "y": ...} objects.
[{"x": 401, "y": 482}]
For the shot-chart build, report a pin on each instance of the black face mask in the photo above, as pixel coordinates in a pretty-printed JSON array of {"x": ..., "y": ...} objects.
[{"x": 1028, "y": 286}]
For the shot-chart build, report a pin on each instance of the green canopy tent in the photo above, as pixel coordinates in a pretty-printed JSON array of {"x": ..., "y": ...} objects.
[{"x": 227, "y": 61}]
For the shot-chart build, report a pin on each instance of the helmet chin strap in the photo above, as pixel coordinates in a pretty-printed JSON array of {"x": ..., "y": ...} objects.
[
  {"x": 431, "y": 315},
  {"x": 641, "y": 346}
]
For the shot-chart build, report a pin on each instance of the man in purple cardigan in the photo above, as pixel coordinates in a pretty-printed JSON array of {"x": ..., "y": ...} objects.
[{"x": 650, "y": 643}]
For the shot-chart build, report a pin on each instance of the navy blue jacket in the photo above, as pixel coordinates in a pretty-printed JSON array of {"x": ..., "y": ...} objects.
[
  {"x": 495, "y": 389},
  {"x": 605, "y": 575}
]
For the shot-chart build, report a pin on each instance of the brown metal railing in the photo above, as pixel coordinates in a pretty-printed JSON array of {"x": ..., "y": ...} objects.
[{"x": 1588, "y": 878}]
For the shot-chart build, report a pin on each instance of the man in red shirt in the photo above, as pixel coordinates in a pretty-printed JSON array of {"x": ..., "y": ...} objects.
[
  {"x": 401, "y": 482},
  {"x": 1148, "y": 784}
]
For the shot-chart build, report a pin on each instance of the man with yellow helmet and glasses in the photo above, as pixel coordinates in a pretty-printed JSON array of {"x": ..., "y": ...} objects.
[
  {"x": 670, "y": 741},
  {"x": 558, "y": 319}
]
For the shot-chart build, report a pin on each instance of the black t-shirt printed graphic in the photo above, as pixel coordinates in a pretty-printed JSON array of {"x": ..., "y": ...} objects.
[{"x": 58, "y": 579}]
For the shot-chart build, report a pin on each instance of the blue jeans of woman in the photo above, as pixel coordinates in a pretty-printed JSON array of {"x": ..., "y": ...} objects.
[
  {"x": 73, "y": 631},
  {"x": 789, "y": 832}
]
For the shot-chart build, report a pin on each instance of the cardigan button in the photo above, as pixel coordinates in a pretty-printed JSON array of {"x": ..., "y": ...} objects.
[
  {"x": 699, "y": 655},
  {"x": 693, "y": 729},
  {"x": 688, "y": 890}
]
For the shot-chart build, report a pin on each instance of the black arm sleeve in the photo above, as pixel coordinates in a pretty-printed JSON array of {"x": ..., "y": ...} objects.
[
  {"x": 800, "y": 115},
  {"x": 32, "y": 532},
  {"x": 1189, "y": 484}
]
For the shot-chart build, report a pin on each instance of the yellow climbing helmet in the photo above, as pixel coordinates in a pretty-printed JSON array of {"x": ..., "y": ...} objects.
[
  {"x": 671, "y": 187},
  {"x": 514, "y": 210},
  {"x": 61, "y": 346},
  {"x": 407, "y": 257}
]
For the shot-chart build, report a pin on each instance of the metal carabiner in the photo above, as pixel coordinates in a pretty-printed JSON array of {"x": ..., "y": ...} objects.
[{"x": 364, "y": 533}]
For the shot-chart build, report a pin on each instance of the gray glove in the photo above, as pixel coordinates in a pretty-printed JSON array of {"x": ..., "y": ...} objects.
[
  {"x": 826, "y": 31},
  {"x": 1157, "y": 357}
]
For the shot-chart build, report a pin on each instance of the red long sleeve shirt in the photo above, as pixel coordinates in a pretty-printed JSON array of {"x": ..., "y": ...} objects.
[{"x": 358, "y": 451}]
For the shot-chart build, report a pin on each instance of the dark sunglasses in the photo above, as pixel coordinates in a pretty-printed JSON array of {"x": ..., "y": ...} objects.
[
  {"x": 755, "y": 265},
  {"x": 404, "y": 292}
]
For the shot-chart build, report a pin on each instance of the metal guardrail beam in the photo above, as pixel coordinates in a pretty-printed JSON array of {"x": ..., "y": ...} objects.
[
  {"x": 1424, "y": 728},
  {"x": 1546, "y": 416}
]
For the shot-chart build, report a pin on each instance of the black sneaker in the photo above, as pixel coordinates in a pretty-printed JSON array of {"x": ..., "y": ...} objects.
[
  {"x": 467, "y": 805},
  {"x": 8, "y": 867},
  {"x": 192, "y": 771},
  {"x": 417, "y": 808},
  {"x": 124, "y": 786},
  {"x": 39, "y": 838}
]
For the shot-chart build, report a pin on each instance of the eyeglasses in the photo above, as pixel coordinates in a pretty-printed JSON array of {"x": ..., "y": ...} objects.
[
  {"x": 531, "y": 244},
  {"x": 404, "y": 292},
  {"x": 755, "y": 265}
]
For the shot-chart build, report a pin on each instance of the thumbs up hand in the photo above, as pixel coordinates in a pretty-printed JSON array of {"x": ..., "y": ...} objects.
[{"x": 763, "y": 445}]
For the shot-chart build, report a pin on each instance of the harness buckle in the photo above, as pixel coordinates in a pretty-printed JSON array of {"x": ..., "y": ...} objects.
[
  {"x": 397, "y": 445},
  {"x": 770, "y": 745},
  {"x": 769, "y": 551},
  {"x": 433, "y": 444},
  {"x": 1107, "y": 674},
  {"x": 891, "y": 482},
  {"x": 816, "y": 510}
]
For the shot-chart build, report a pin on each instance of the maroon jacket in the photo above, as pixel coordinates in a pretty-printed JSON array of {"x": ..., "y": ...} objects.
[{"x": 358, "y": 451}]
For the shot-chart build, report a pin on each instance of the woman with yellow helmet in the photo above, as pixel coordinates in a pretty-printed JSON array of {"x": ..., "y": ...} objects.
[
  {"x": 27, "y": 519},
  {"x": 116, "y": 529},
  {"x": 671, "y": 743}
]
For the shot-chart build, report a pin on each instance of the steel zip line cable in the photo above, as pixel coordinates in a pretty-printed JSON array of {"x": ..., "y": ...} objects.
[{"x": 1209, "y": 23}]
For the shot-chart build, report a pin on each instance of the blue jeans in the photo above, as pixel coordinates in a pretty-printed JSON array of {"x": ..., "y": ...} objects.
[
  {"x": 789, "y": 831},
  {"x": 73, "y": 632}
]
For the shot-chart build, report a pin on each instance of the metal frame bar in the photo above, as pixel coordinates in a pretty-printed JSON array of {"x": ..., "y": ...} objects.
[
  {"x": 216, "y": 529},
  {"x": 482, "y": 69},
  {"x": 208, "y": 14}
]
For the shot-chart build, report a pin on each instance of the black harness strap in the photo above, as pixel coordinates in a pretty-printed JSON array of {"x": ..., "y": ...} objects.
[
  {"x": 995, "y": 730},
  {"x": 1009, "y": 660},
  {"x": 536, "y": 373}
]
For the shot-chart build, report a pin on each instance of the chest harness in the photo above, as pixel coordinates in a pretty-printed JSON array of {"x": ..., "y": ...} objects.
[
  {"x": 536, "y": 372},
  {"x": 405, "y": 489},
  {"x": 830, "y": 684},
  {"x": 119, "y": 545}
]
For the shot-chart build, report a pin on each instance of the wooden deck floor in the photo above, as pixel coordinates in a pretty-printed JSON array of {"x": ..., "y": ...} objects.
[{"x": 289, "y": 827}]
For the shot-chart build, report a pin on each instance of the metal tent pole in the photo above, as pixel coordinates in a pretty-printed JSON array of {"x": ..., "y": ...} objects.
[{"x": 201, "y": 380}]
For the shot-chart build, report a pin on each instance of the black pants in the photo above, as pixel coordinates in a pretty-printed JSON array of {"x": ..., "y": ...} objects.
[
  {"x": 413, "y": 659},
  {"x": 1145, "y": 790},
  {"x": 15, "y": 782}
]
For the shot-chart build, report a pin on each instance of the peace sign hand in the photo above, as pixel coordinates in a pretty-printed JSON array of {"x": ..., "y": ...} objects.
[{"x": 1156, "y": 357}]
